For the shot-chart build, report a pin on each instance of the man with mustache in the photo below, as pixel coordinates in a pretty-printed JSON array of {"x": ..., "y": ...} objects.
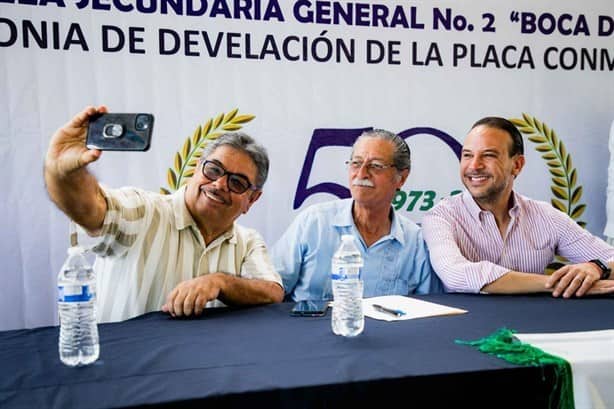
[
  {"x": 181, "y": 252},
  {"x": 395, "y": 256},
  {"x": 491, "y": 239}
]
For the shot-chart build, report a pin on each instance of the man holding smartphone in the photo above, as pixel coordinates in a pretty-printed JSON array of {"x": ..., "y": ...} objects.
[{"x": 181, "y": 252}]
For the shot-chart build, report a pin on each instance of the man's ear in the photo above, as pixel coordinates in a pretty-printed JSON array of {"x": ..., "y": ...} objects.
[
  {"x": 254, "y": 196},
  {"x": 519, "y": 162},
  {"x": 401, "y": 178}
]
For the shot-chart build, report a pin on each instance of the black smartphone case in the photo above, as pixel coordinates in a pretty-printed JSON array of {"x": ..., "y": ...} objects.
[{"x": 120, "y": 132}]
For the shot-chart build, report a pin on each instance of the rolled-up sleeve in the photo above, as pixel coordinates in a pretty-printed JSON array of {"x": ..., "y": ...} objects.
[{"x": 127, "y": 210}]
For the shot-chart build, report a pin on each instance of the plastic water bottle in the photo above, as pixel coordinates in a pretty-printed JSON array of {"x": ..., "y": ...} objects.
[
  {"x": 78, "y": 343},
  {"x": 348, "y": 319}
]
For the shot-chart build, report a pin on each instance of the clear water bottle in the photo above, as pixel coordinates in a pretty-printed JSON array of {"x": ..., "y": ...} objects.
[
  {"x": 78, "y": 343},
  {"x": 348, "y": 319}
]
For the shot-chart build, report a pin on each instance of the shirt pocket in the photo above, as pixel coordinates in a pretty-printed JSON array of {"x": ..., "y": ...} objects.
[
  {"x": 533, "y": 254},
  {"x": 538, "y": 240},
  {"x": 388, "y": 279}
]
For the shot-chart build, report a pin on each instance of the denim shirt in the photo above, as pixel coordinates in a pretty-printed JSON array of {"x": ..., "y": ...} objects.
[{"x": 398, "y": 263}]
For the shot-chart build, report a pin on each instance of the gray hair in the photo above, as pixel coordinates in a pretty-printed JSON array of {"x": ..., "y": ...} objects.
[
  {"x": 244, "y": 143},
  {"x": 401, "y": 158}
]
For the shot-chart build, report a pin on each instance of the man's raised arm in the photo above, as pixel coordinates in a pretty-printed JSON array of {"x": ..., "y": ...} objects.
[{"x": 71, "y": 187}]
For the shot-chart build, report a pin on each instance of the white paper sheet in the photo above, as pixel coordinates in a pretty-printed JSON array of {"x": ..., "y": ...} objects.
[{"x": 412, "y": 307}]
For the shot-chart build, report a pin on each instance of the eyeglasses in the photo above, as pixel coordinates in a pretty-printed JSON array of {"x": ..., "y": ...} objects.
[
  {"x": 373, "y": 166},
  {"x": 236, "y": 182}
]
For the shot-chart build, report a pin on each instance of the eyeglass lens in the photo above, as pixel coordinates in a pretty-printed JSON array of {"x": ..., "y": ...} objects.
[{"x": 236, "y": 183}]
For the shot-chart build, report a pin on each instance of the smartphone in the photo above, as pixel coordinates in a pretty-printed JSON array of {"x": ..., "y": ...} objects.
[
  {"x": 309, "y": 308},
  {"x": 120, "y": 132}
]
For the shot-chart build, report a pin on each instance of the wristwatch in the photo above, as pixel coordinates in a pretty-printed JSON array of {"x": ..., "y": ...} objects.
[{"x": 605, "y": 270}]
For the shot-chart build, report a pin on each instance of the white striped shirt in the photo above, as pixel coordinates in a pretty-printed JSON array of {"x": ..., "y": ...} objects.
[
  {"x": 468, "y": 252},
  {"x": 150, "y": 243}
]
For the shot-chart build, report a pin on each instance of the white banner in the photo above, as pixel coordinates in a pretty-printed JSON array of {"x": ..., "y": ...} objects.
[{"x": 302, "y": 77}]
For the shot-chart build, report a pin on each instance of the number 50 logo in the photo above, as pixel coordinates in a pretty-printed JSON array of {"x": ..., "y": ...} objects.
[{"x": 322, "y": 138}]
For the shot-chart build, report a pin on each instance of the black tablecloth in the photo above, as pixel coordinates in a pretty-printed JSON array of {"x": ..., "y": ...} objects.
[{"x": 262, "y": 356}]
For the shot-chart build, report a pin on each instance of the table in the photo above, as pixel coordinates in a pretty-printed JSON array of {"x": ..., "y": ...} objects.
[{"x": 260, "y": 356}]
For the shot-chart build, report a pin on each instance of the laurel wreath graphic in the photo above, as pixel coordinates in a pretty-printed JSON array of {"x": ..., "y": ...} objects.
[
  {"x": 564, "y": 179},
  {"x": 186, "y": 159}
]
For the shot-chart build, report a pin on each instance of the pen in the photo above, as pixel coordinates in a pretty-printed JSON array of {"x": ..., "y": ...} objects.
[{"x": 396, "y": 313}]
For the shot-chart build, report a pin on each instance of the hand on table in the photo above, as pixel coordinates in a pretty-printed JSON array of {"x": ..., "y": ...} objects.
[
  {"x": 573, "y": 279},
  {"x": 190, "y": 297},
  {"x": 602, "y": 287}
]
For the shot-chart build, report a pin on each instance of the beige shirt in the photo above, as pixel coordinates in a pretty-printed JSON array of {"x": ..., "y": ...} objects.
[{"x": 150, "y": 243}]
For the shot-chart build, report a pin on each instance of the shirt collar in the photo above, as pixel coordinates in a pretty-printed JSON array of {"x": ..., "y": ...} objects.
[
  {"x": 471, "y": 205},
  {"x": 183, "y": 218},
  {"x": 515, "y": 209},
  {"x": 344, "y": 218},
  {"x": 396, "y": 230},
  {"x": 475, "y": 210}
]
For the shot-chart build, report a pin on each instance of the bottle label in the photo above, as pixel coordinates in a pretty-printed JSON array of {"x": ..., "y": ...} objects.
[
  {"x": 341, "y": 273},
  {"x": 339, "y": 276},
  {"x": 74, "y": 293},
  {"x": 338, "y": 273}
]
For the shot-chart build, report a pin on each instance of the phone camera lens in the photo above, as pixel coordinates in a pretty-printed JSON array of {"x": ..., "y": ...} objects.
[
  {"x": 142, "y": 122},
  {"x": 113, "y": 130}
]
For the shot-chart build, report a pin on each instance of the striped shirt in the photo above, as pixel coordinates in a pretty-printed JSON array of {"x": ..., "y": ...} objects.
[
  {"x": 150, "y": 243},
  {"x": 468, "y": 252}
]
